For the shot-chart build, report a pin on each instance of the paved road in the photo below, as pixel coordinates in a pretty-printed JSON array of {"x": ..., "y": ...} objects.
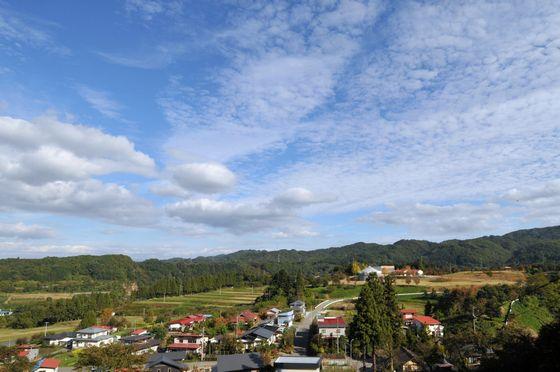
[{"x": 302, "y": 331}]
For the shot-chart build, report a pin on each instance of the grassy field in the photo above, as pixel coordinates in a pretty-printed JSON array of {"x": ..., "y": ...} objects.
[
  {"x": 9, "y": 334},
  {"x": 469, "y": 278},
  {"x": 199, "y": 302}
]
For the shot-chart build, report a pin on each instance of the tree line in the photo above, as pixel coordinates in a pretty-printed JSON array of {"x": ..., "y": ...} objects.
[{"x": 524, "y": 248}]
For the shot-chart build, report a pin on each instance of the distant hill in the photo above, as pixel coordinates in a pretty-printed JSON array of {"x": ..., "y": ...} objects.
[{"x": 524, "y": 247}]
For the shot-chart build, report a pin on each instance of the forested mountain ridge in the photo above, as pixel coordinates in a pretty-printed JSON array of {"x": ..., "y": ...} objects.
[{"x": 524, "y": 247}]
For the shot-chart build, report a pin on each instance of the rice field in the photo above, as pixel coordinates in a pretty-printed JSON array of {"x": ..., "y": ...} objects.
[{"x": 206, "y": 301}]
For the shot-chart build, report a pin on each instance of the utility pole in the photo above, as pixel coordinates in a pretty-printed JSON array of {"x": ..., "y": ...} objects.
[
  {"x": 473, "y": 320},
  {"x": 337, "y": 336},
  {"x": 46, "y": 326},
  {"x": 203, "y": 344}
]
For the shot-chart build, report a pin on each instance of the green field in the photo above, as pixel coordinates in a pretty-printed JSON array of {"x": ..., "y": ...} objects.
[
  {"x": 530, "y": 313},
  {"x": 199, "y": 302}
]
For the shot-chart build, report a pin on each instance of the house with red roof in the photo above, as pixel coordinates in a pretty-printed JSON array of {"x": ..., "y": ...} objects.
[
  {"x": 139, "y": 332},
  {"x": 187, "y": 347},
  {"x": 47, "y": 365},
  {"x": 186, "y": 323},
  {"x": 428, "y": 324},
  {"x": 189, "y": 338},
  {"x": 408, "y": 316},
  {"x": 245, "y": 317},
  {"x": 31, "y": 352},
  {"x": 331, "y": 327},
  {"x": 111, "y": 329},
  {"x": 248, "y": 316}
]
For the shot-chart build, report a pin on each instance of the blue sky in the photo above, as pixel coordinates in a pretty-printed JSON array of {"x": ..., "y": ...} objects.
[{"x": 178, "y": 129}]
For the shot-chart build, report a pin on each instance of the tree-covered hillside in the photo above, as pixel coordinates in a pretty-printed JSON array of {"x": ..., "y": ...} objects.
[{"x": 521, "y": 248}]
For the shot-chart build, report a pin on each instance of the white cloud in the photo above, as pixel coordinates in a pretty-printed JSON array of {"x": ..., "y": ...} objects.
[
  {"x": 101, "y": 102},
  {"x": 248, "y": 217},
  {"x": 295, "y": 232},
  {"x": 53, "y": 150},
  {"x": 89, "y": 198},
  {"x": 23, "y": 249},
  {"x": 207, "y": 178},
  {"x": 441, "y": 220},
  {"x": 22, "y": 231},
  {"x": 538, "y": 203},
  {"x": 168, "y": 189},
  {"x": 235, "y": 217},
  {"x": 298, "y": 197},
  {"x": 47, "y": 165}
]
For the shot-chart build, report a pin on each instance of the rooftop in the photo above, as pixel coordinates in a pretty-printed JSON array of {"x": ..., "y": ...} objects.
[
  {"x": 298, "y": 362},
  {"x": 92, "y": 330},
  {"x": 184, "y": 346},
  {"x": 162, "y": 358},
  {"x": 239, "y": 362},
  {"x": 333, "y": 322},
  {"x": 426, "y": 320},
  {"x": 50, "y": 363}
]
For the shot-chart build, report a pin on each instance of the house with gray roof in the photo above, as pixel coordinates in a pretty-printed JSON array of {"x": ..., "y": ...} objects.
[
  {"x": 297, "y": 363},
  {"x": 162, "y": 362},
  {"x": 239, "y": 363},
  {"x": 59, "y": 339},
  {"x": 92, "y": 336}
]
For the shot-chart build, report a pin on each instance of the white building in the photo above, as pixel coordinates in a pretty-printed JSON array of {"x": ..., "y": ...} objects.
[
  {"x": 331, "y": 327},
  {"x": 285, "y": 319},
  {"x": 92, "y": 336},
  {"x": 365, "y": 273},
  {"x": 430, "y": 325}
]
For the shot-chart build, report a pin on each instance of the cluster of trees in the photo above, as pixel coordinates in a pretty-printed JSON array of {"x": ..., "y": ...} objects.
[
  {"x": 179, "y": 284},
  {"x": 487, "y": 300},
  {"x": 519, "y": 350},
  {"x": 10, "y": 361},
  {"x": 282, "y": 284},
  {"x": 113, "y": 357},
  {"x": 377, "y": 324},
  {"x": 52, "y": 311}
]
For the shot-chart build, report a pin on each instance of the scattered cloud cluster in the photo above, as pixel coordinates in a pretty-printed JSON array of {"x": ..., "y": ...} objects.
[
  {"x": 17, "y": 31},
  {"x": 438, "y": 120}
]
